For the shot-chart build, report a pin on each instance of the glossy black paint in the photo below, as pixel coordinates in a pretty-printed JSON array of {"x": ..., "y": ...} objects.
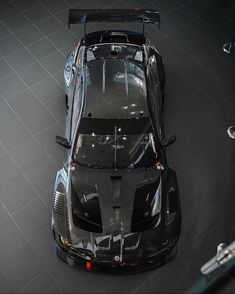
[{"x": 106, "y": 217}]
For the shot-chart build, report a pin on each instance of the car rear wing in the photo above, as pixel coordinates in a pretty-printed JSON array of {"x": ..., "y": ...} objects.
[{"x": 84, "y": 16}]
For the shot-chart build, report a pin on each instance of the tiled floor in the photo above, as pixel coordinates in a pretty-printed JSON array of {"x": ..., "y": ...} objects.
[{"x": 200, "y": 105}]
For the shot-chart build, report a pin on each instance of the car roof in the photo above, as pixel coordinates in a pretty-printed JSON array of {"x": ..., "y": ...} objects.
[{"x": 115, "y": 85}]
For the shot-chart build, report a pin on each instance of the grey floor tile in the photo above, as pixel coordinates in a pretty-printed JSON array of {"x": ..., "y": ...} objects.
[
  {"x": 24, "y": 5},
  {"x": 59, "y": 76},
  {"x": 38, "y": 120},
  {"x": 62, "y": 16},
  {"x": 5, "y": 285},
  {"x": 164, "y": 6},
  {"x": 37, "y": 14},
  {"x": 11, "y": 237},
  {"x": 47, "y": 197},
  {"x": 42, "y": 48},
  {"x": 200, "y": 76},
  {"x": 8, "y": 11},
  {"x": 4, "y": 2},
  {"x": 43, "y": 246},
  {"x": 55, "y": 6},
  {"x": 3, "y": 212},
  {"x": 11, "y": 86},
  {"x": 47, "y": 89},
  {"x": 43, "y": 177},
  {"x": 13, "y": 134},
  {"x": 2, "y": 149},
  {"x": 180, "y": 61},
  {"x": 23, "y": 103},
  {"x": 5, "y": 69},
  {"x": 54, "y": 62},
  {"x": 16, "y": 193},
  {"x": 226, "y": 9},
  {"x": 8, "y": 169},
  {"x": 21, "y": 267},
  {"x": 4, "y": 32},
  {"x": 29, "y": 35},
  {"x": 198, "y": 50},
  {"x": 20, "y": 59},
  {"x": 176, "y": 19},
  {"x": 49, "y": 26},
  {"x": 181, "y": 37},
  {"x": 33, "y": 74},
  {"x": 27, "y": 154},
  {"x": 63, "y": 38},
  {"x": 57, "y": 107},
  {"x": 229, "y": 106},
  {"x": 47, "y": 140},
  {"x": 219, "y": 120},
  {"x": 222, "y": 69},
  {"x": 32, "y": 219},
  {"x": 9, "y": 45},
  {"x": 41, "y": 284},
  {"x": 6, "y": 114},
  {"x": 17, "y": 23}
]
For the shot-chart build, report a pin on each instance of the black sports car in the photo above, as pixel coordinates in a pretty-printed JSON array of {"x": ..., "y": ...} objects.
[{"x": 116, "y": 202}]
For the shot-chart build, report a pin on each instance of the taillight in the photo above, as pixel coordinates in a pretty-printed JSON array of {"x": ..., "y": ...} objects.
[{"x": 88, "y": 266}]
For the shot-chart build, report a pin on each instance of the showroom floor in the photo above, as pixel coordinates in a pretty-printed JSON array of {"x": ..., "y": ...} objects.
[{"x": 200, "y": 105}]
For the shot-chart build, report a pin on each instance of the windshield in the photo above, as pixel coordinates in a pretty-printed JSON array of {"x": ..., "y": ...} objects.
[{"x": 123, "y": 143}]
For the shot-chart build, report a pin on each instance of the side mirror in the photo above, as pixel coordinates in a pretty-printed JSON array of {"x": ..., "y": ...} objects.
[
  {"x": 168, "y": 141},
  {"x": 63, "y": 142},
  {"x": 68, "y": 68},
  {"x": 74, "y": 68}
]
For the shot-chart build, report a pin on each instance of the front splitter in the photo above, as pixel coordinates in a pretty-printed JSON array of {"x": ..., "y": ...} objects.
[{"x": 115, "y": 267}]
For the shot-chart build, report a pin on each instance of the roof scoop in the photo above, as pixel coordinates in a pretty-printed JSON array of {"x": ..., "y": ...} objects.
[{"x": 115, "y": 49}]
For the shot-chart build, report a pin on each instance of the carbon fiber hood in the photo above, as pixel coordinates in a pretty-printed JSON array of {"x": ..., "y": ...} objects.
[{"x": 113, "y": 193}]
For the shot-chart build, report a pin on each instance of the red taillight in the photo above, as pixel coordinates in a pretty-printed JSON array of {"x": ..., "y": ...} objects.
[{"x": 88, "y": 266}]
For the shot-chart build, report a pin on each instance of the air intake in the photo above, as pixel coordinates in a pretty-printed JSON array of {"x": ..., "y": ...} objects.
[{"x": 114, "y": 38}]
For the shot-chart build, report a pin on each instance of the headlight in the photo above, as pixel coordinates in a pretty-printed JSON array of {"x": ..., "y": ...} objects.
[
  {"x": 64, "y": 241},
  {"x": 71, "y": 248},
  {"x": 157, "y": 200}
]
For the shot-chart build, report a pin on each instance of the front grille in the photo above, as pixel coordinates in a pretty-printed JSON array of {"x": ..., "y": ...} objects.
[{"x": 59, "y": 203}]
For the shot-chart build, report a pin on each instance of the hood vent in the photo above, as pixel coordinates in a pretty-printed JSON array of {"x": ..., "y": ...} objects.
[
  {"x": 141, "y": 217},
  {"x": 59, "y": 203},
  {"x": 86, "y": 208}
]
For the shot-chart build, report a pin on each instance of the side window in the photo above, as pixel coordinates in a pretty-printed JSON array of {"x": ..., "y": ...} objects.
[{"x": 77, "y": 104}]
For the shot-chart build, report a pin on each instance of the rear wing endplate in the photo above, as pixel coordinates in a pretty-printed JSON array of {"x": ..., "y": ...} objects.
[{"x": 84, "y": 16}]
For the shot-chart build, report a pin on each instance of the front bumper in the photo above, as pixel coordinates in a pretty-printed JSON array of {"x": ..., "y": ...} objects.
[{"x": 99, "y": 265}]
